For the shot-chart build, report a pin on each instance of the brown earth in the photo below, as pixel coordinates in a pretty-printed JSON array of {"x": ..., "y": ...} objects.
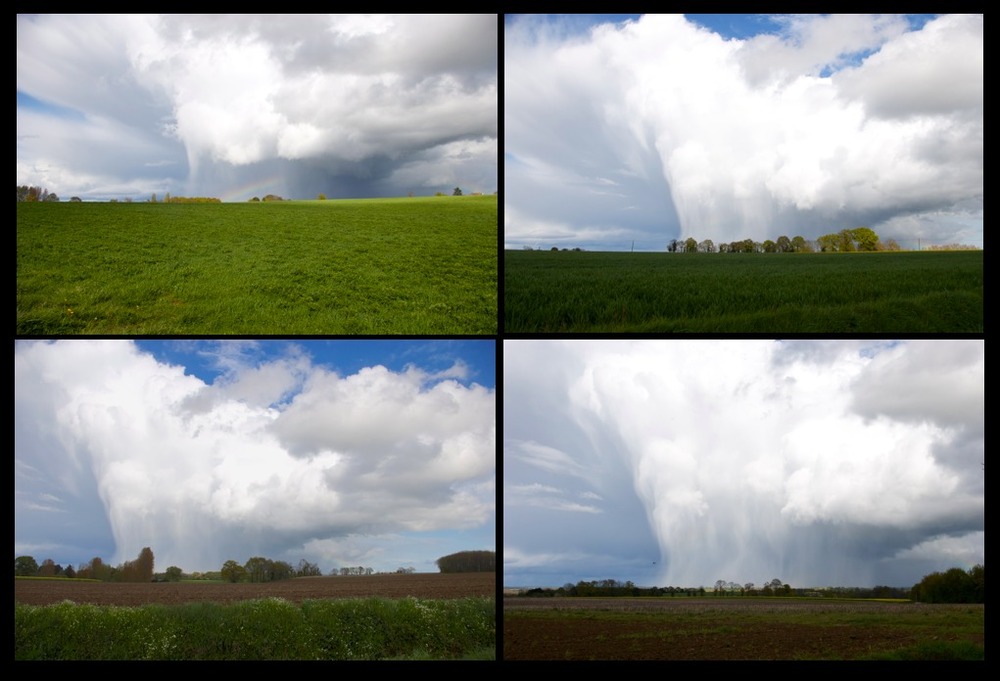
[
  {"x": 697, "y": 631},
  {"x": 429, "y": 585}
]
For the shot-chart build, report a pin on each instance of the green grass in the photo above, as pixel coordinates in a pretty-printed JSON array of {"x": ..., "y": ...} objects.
[
  {"x": 936, "y": 651},
  {"x": 379, "y": 266},
  {"x": 553, "y": 292},
  {"x": 266, "y": 629}
]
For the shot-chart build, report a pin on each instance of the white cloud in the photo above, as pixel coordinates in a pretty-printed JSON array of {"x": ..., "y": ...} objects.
[
  {"x": 271, "y": 455},
  {"x": 224, "y": 98},
  {"x": 821, "y": 462},
  {"x": 828, "y": 125}
]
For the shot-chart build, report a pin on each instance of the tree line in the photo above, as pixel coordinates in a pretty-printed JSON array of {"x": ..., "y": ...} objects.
[
  {"x": 468, "y": 561},
  {"x": 255, "y": 569},
  {"x": 859, "y": 239},
  {"x": 952, "y": 586},
  {"x": 32, "y": 194},
  {"x": 138, "y": 570}
]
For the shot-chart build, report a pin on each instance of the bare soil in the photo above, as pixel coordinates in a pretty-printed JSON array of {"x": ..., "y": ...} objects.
[
  {"x": 429, "y": 585},
  {"x": 698, "y": 631}
]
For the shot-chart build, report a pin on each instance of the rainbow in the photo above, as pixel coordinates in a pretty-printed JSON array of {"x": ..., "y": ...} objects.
[{"x": 259, "y": 188}]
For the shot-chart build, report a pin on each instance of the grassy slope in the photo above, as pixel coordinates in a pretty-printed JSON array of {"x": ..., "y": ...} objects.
[{"x": 381, "y": 266}]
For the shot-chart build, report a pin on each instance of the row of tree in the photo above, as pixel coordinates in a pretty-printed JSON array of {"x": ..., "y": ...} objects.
[
  {"x": 256, "y": 568},
  {"x": 952, "y": 586},
  {"x": 846, "y": 240},
  {"x": 468, "y": 561},
  {"x": 32, "y": 194},
  {"x": 138, "y": 570}
]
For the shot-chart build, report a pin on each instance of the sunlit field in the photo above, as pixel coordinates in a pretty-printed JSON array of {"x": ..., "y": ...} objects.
[
  {"x": 379, "y": 266},
  {"x": 908, "y": 292}
]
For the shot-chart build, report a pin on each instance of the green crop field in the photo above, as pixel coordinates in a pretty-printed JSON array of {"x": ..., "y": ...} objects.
[
  {"x": 887, "y": 292},
  {"x": 260, "y": 629},
  {"x": 378, "y": 266}
]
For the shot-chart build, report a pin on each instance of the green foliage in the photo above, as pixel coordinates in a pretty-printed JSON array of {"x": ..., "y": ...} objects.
[
  {"x": 25, "y": 566},
  {"x": 952, "y": 586},
  {"x": 233, "y": 572},
  {"x": 592, "y": 292},
  {"x": 934, "y": 651},
  {"x": 457, "y": 192},
  {"x": 321, "y": 197},
  {"x": 377, "y": 266},
  {"x": 865, "y": 238},
  {"x": 188, "y": 199},
  {"x": 268, "y": 629},
  {"x": 173, "y": 574}
]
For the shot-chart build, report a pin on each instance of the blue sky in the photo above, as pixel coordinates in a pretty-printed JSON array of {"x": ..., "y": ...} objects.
[
  {"x": 345, "y": 453},
  {"x": 647, "y": 128},
  {"x": 115, "y": 106},
  {"x": 679, "y": 463}
]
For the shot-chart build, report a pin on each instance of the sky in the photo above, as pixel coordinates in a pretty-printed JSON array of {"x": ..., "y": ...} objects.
[
  {"x": 236, "y": 106},
  {"x": 372, "y": 453},
  {"x": 680, "y": 463},
  {"x": 644, "y": 129}
]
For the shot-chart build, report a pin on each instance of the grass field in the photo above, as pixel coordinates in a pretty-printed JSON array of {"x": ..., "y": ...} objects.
[
  {"x": 585, "y": 292},
  {"x": 261, "y": 629},
  {"x": 379, "y": 266},
  {"x": 739, "y": 629}
]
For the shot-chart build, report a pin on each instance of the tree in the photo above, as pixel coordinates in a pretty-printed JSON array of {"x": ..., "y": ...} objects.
[
  {"x": 720, "y": 586},
  {"x": 257, "y": 569},
  {"x": 25, "y": 566},
  {"x": 174, "y": 574},
  {"x": 953, "y": 586},
  {"x": 845, "y": 240},
  {"x": 468, "y": 561},
  {"x": 800, "y": 245},
  {"x": 69, "y": 572},
  {"x": 673, "y": 245},
  {"x": 52, "y": 197},
  {"x": 690, "y": 245},
  {"x": 74, "y": 199},
  {"x": 321, "y": 197},
  {"x": 144, "y": 565},
  {"x": 706, "y": 246},
  {"x": 47, "y": 568},
  {"x": 890, "y": 245},
  {"x": 457, "y": 192},
  {"x": 152, "y": 199},
  {"x": 166, "y": 198},
  {"x": 829, "y": 243},
  {"x": 865, "y": 238},
  {"x": 278, "y": 570},
  {"x": 307, "y": 569},
  {"x": 770, "y": 247},
  {"x": 784, "y": 244},
  {"x": 233, "y": 571}
]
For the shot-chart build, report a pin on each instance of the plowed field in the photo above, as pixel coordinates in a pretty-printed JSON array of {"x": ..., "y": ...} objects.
[
  {"x": 430, "y": 585},
  {"x": 665, "y": 629}
]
